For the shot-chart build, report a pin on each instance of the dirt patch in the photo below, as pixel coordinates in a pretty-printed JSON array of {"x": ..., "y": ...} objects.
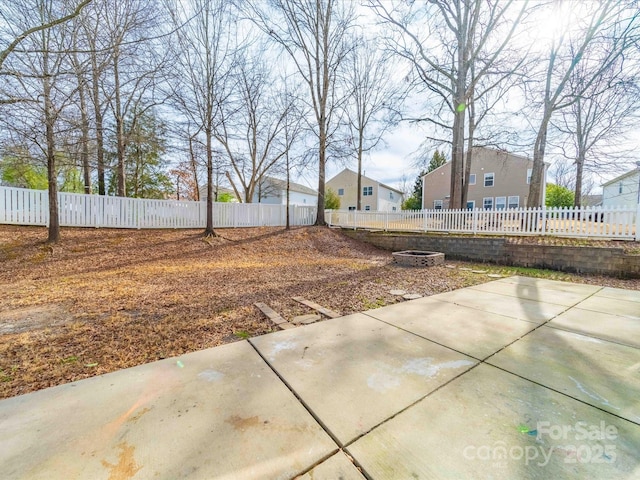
[{"x": 33, "y": 318}]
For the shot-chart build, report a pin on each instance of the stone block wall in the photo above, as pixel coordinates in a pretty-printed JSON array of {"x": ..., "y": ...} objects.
[{"x": 607, "y": 261}]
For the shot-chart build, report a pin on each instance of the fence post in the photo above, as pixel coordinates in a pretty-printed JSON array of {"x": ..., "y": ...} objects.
[
  {"x": 638, "y": 221},
  {"x": 543, "y": 215},
  {"x": 474, "y": 220},
  {"x": 386, "y": 220}
]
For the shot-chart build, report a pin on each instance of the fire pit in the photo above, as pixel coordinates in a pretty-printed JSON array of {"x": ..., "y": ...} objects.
[{"x": 417, "y": 258}]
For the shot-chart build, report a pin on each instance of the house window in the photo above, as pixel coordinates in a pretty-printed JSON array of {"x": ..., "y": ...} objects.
[
  {"x": 488, "y": 179},
  {"x": 514, "y": 202},
  {"x": 304, "y": 200},
  {"x": 487, "y": 203},
  {"x": 529, "y": 173},
  {"x": 367, "y": 207},
  {"x": 471, "y": 204},
  {"x": 501, "y": 203},
  {"x": 390, "y": 195},
  {"x": 472, "y": 179},
  {"x": 393, "y": 209},
  {"x": 367, "y": 191},
  {"x": 352, "y": 209},
  {"x": 437, "y": 204},
  {"x": 620, "y": 188},
  {"x": 341, "y": 191}
]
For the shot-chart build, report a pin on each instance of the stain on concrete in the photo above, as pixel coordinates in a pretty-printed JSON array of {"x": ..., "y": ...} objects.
[
  {"x": 126, "y": 467},
  {"x": 210, "y": 375},
  {"x": 381, "y": 381},
  {"x": 240, "y": 423},
  {"x": 281, "y": 346},
  {"x": 388, "y": 377},
  {"x": 137, "y": 416}
]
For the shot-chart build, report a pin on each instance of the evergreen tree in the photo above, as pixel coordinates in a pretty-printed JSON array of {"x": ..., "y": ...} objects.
[
  {"x": 331, "y": 200},
  {"x": 437, "y": 160},
  {"x": 414, "y": 201},
  {"x": 145, "y": 167}
]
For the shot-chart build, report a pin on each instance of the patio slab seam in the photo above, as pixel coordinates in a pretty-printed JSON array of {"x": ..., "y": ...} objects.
[
  {"x": 302, "y": 402},
  {"x": 350, "y": 442},
  {"x": 422, "y": 337},
  {"x": 563, "y": 328},
  {"x": 563, "y": 393},
  {"x": 480, "y": 362}
]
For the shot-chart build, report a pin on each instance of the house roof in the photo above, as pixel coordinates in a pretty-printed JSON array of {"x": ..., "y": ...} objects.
[
  {"x": 621, "y": 177},
  {"x": 293, "y": 187},
  {"x": 203, "y": 191},
  {"x": 591, "y": 200},
  {"x": 370, "y": 179}
]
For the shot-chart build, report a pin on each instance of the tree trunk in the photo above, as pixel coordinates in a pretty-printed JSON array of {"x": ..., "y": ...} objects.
[
  {"x": 457, "y": 158},
  {"x": 469, "y": 154},
  {"x": 120, "y": 172},
  {"x": 535, "y": 187},
  {"x": 359, "y": 196},
  {"x": 287, "y": 224},
  {"x": 52, "y": 177},
  {"x": 97, "y": 112},
  {"x": 194, "y": 169},
  {"x": 208, "y": 231},
  {"x": 577, "y": 200},
  {"x": 84, "y": 152},
  {"x": 322, "y": 147}
]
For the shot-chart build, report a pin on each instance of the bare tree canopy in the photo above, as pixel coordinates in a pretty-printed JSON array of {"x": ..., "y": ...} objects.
[
  {"x": 175, "y": 98},
  {"x": 37, "y": 28},
  {"x": 314, "y": 33}
]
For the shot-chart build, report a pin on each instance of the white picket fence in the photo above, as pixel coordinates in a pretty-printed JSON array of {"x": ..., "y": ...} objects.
[
  {"x": 587, "y": 222},
  {"x": 31, "y": 207}
]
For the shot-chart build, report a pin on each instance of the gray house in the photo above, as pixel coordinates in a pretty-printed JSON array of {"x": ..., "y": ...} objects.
[
  {"x": 273, "y": 191},
  {"x": 622, "y": 191}
]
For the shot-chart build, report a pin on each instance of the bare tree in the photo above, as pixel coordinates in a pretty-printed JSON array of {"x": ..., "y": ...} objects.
[
  {"x": 373, "y": 99},
  {"x": 252, "y": 124},
  {"x": 452, "y": 45},
  {"x": 611, "y": 29},
  {"x": 314, "y": 34},
  {"x": 596, "y": 124},
  {"x": 41, "y": 79},
  {"x": 97, "y": 41},
  {"x": 204, "y": 55},
  {"x": 80, "y": 68},
  {"x": 134, "y": 69},
  {"x": 8, "y": 19}
]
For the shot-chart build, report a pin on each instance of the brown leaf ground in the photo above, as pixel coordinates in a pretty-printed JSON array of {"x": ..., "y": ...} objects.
[{"x": 102, "y": 300}]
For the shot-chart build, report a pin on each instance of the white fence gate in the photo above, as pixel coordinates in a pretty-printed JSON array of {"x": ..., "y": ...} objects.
[
  {"x": 31, "y": 207},
  {"x": 587, "y": 222}
]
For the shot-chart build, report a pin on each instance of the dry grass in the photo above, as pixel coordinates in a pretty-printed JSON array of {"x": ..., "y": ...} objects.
[{"x": 102, "y": 300}]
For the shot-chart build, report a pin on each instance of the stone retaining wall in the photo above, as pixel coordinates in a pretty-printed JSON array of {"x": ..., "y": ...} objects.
[{"x": 600, "y": 260}]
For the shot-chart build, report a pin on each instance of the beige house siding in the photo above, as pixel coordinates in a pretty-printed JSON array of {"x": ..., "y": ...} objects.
[
  {"x": 509, "y": 173},
  {"x": 345, "y": 185}
]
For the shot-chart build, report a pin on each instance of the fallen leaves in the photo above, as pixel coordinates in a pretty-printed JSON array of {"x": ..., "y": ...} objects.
[{"x": 111, "y": 299}]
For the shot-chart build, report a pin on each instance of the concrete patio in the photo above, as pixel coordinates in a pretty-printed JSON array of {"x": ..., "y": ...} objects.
[{"x": 517, "y": 378}]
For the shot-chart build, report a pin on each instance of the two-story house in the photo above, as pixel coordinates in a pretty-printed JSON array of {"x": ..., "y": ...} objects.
[
  {"x": 497, "y": 180},
  {"x": 376, "y": 196}
]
